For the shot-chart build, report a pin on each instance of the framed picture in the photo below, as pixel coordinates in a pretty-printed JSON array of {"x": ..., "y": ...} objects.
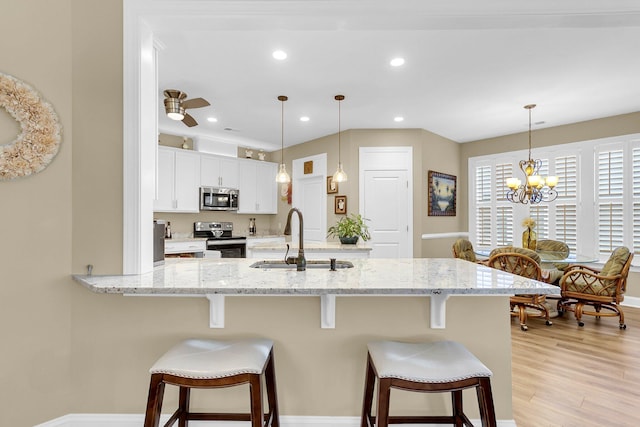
[
  {"x": 340, "y": 205},
  {"x": 442, "y": 194},
  {"x": 332, "y": 187}
]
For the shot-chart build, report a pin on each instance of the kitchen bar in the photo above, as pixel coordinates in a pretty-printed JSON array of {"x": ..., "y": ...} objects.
[
  {"x": 215, "y": 278},
  {"x": 376, "y": 299}
]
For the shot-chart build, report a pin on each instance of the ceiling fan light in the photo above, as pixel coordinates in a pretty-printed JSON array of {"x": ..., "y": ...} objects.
[
  {"x": 174, "y": 109},
  {"x": 340, "y": 175},
  {"x": 283, "y": 177},
  {"x": 175, "y": 116}
]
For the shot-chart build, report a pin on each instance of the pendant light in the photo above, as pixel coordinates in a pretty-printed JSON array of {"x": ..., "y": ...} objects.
[
  {"x": 340, "y": 175},
  {"x": 282, "y": 176}
]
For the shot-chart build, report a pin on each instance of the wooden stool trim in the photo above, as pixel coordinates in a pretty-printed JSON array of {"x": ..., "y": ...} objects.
[
  {"x": 256, "y": 415},
  {"x": 481, "y": 383}
]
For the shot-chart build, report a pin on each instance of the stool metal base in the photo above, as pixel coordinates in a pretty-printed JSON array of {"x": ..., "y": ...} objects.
[
  {"x": 458, "y": 418},
  {"x": 257, "y": 416}
]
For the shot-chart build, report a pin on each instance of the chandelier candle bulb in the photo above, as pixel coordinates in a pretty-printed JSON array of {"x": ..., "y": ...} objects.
[{"x": 552, "y": 181}]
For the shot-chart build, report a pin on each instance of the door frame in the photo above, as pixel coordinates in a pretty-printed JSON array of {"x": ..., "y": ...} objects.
[{"x": 388, "y": 159}]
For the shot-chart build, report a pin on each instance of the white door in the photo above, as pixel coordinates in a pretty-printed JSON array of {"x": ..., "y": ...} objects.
[
  {"x": 385, "y": 205},
  {"x": 386, "y": 188},
  {"x": 309, "y": 196},
  {"x": 310, "y": 202}
]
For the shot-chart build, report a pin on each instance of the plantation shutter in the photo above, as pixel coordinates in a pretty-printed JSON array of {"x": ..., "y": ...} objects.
[
  {"x": 483, "y": 226},
  {"x": 503, "y": 172},
  {"x": 610, "y": 172},
  {"x": 504, "y": 225},
  {"x": 540, "y": 214},
  {"x": 565, "y": 211},
  {"x": 636, "y": 199},
  {"x": 483, "y": 206}
]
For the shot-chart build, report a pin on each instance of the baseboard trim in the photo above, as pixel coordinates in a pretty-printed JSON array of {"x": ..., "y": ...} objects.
[
  {"x": 631, "y": 301},
  {"x": 136, "y": 420}
]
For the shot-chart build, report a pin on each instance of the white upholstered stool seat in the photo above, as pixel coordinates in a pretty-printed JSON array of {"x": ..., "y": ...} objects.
[
  {"x": 442, "y": 366},
  {"x": 197, "y": 363},
  {"x": 214, "y": 359}
]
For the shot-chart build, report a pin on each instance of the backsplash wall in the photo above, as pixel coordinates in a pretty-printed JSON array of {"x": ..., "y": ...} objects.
[{"x": 182, "y": 223}]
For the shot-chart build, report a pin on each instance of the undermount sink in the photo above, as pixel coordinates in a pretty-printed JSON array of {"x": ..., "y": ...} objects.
[{"x": 310, "y": 264}]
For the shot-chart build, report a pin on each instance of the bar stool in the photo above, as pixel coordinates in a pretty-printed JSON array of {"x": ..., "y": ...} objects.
[
  {"x": 196, "y": 363},
  {"x": 443, "y": 366}
]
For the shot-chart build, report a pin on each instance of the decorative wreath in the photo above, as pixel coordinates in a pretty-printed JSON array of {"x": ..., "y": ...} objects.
[{"x": 39, "y": 141}]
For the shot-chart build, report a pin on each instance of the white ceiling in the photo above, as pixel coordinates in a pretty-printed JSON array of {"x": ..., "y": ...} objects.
[{"x": 471, "y": 65}]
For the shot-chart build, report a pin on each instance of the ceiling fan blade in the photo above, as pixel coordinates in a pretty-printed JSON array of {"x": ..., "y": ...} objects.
[
  {"x": 189, "y": 121},
  {"x": 195, "y": 103}
]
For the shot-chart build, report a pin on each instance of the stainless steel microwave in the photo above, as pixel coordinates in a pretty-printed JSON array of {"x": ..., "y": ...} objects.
[{"x": 218, "y": 199}]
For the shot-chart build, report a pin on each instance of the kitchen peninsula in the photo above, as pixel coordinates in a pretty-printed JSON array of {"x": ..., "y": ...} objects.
[{"x": 376, "y": 299}]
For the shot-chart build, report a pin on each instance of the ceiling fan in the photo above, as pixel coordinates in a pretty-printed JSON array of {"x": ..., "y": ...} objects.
[{"x": 176, "y": 103}]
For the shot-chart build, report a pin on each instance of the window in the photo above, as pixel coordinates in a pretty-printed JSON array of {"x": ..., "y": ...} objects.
[{"x": 603, "y": 174}]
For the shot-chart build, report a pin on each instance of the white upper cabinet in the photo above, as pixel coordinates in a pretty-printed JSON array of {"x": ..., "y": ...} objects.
[
  {"x": 178, "y": 181},
  {"x": 258, "y": 187},
  {"x": 216, "y": 171}
]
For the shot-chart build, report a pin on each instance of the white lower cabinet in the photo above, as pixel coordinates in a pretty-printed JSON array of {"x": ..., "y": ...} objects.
[
  {"x": 178, "y": 181},
  {"x": 173, "y": 247},
  {"x": 258, "y": 187}
]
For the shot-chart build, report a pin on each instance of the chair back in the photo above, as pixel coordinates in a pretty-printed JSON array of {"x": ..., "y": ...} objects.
[
  {"x": 553, "y": 249},
  {"x": 618, "y": 263},
  {"x": 516, "y": 263},
  {"x": 463, "y": 249},
  {"x": 514, "y": 249}
]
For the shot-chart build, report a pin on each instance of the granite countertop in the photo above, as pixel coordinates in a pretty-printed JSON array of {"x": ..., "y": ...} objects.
[
  {"x": 186, "y": 239},
  {"x": 233, "y": 276},
  {"x": 313, "y": 247}
]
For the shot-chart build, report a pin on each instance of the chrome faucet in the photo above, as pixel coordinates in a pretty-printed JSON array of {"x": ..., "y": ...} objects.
[{"x": 300, "y": 261}]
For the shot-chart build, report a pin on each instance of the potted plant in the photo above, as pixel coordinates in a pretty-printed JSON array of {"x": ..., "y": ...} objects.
[{"x": 349, "y": 229}]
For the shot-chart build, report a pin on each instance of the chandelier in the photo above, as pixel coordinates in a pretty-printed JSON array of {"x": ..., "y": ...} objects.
[{"x": 535, "y": 188}]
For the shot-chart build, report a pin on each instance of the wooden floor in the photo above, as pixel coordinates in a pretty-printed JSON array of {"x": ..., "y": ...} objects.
[{"x": 571, "y": 376}]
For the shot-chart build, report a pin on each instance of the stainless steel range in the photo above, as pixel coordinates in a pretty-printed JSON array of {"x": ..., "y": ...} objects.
[{"x": 220, "y": 238}]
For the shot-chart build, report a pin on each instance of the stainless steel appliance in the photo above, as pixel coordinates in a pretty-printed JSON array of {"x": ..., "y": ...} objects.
[
  {"x": 218, "y": 199},
  {"x": 220, "y": 238}
]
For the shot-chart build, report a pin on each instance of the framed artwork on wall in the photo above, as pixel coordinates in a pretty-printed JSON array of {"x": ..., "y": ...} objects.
[
  {"x": 332, "y": 187},
  {"x": 340, "y": 205},
  {"x": 442, "y": 194}
]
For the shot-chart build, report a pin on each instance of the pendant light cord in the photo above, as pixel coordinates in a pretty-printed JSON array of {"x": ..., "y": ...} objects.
[
  {"x": 282, "y": 98},
  {"x": 339, "y": 98}
]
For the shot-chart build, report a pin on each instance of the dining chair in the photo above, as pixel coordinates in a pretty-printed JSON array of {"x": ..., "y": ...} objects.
[
  {"x": 583, "y": 286},
  {"x": 525, "y": 263},
  {"x": 463, "y": 249},
  {"x": 551, "y": 250}
]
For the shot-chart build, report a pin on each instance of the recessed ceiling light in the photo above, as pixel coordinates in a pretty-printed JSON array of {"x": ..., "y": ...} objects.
[
  {"x": 279, "y": 54},
  {"x": 398, "y": 119},
  {"x": 212, "y": 119},
  {"x": 396, "y": 62},
  {"x": 304, "y": 119}
]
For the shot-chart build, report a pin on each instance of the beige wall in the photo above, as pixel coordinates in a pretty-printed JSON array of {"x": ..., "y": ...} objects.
[
  {"x": 67, "y": 350},
  {"x": 430, "y": 152},
  {"x": 36, "y": 216},
  {"x": 594, "y": 129}
]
